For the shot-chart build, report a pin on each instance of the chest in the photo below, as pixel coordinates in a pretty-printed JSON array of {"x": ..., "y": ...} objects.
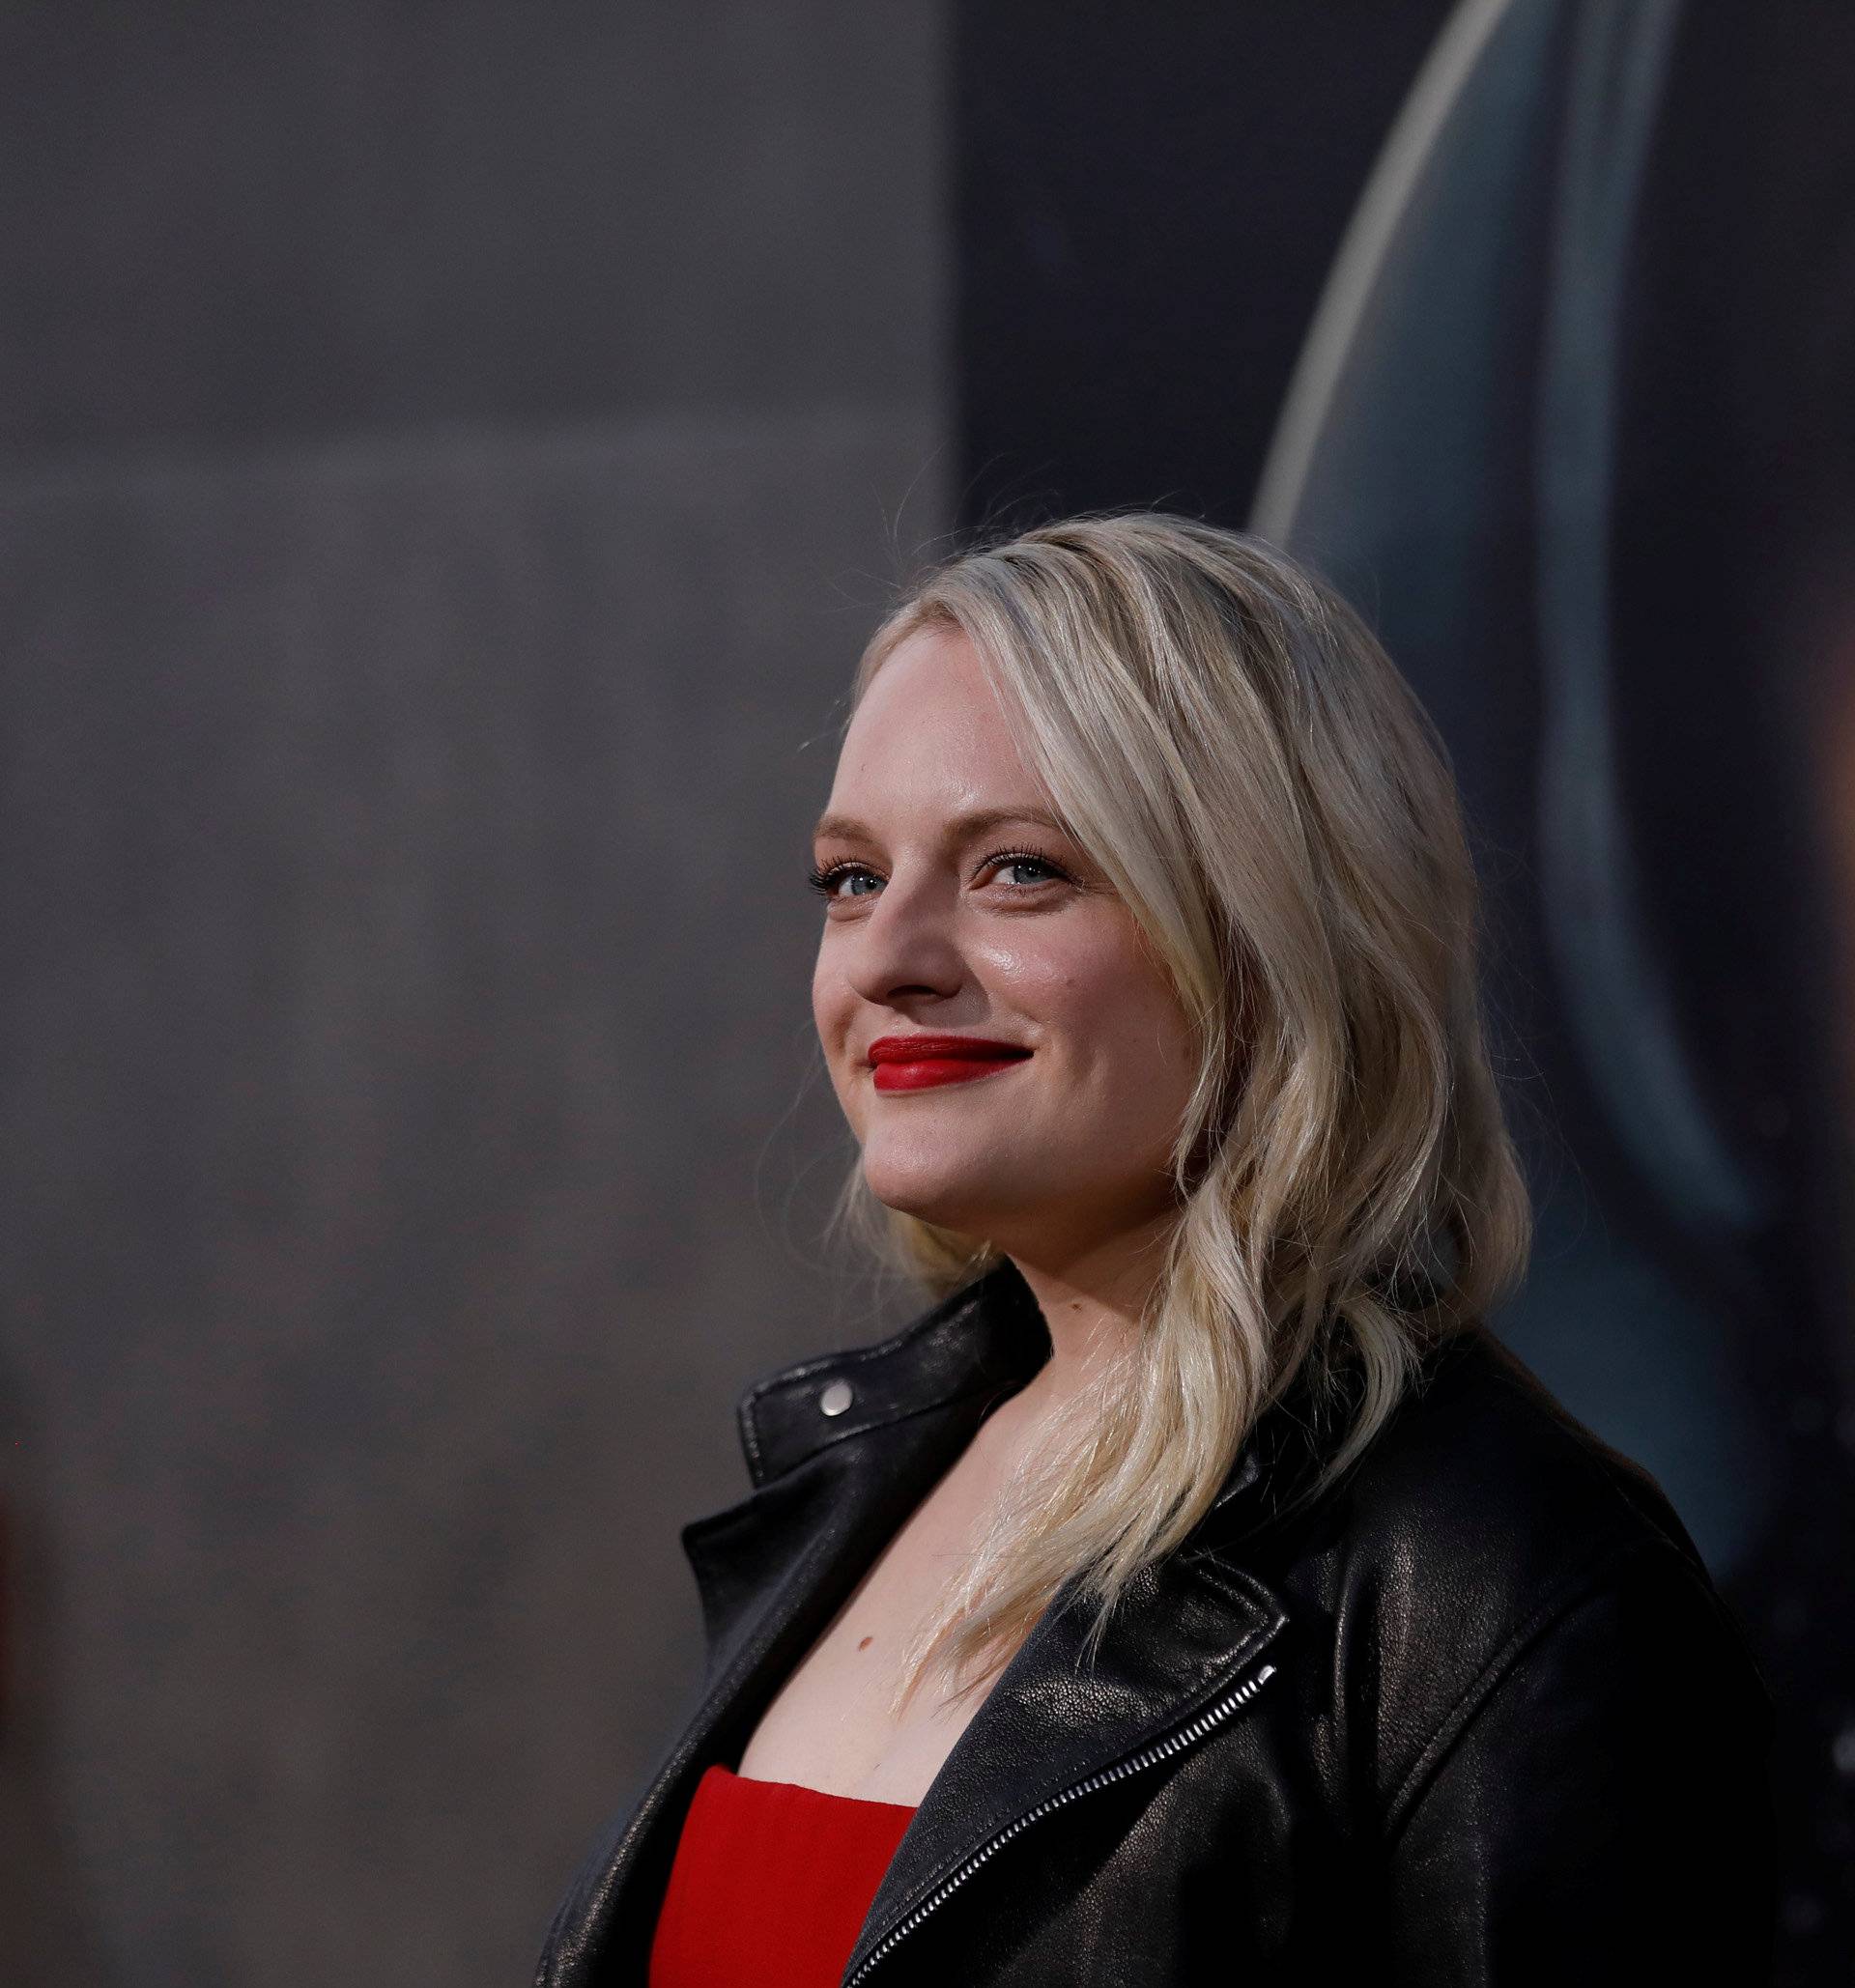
[{"x": 837, "y": 1722}]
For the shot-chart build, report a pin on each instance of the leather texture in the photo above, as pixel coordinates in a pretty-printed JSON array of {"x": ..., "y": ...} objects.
[{"x": 1476, "y": 1715}]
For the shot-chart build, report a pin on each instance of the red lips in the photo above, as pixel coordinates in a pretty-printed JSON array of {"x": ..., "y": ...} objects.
[{"x": 915, "y": 1063}]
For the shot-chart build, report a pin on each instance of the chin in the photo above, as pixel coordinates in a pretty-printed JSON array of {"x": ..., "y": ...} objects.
[{"x": 949, "y": 1197}]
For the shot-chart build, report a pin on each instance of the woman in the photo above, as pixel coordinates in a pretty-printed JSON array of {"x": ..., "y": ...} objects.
[{"x": 1196, "y": 1591}]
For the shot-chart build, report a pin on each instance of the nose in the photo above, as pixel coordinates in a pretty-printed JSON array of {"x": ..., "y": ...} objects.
[{"x": 906, "y": 947}]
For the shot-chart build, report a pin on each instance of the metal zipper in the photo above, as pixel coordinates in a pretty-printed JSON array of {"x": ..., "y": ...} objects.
[{"x": 1148, "y": 1756}]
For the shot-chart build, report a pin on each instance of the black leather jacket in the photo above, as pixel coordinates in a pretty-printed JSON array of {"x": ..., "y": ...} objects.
[{"x": 1476, "y": 1716}]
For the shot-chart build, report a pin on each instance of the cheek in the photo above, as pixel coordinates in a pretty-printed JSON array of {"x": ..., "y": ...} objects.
[
  {"x": 821, "y": 1002},
  {"x": 833, "y": 1012},
  {"x": 1111, "y": 1008},
  {"x": 1144, "y": 1044},
  {"x": 825, "y": 1018}
]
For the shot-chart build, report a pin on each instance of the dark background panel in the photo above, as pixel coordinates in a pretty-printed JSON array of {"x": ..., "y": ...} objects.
[
  {"x": 1736, "y": 535},
  {"x": 1146, "y": 213}
]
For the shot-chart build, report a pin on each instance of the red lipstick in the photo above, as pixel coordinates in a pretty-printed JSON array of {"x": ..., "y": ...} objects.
[{"x": 914, "y": 1063}]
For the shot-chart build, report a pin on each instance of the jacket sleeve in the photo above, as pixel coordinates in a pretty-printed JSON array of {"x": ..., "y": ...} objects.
[{"x": 1597, "y": 1809}]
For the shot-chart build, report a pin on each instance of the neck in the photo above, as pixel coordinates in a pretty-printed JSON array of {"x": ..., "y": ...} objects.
[{"x": 1092, "y": 1303}]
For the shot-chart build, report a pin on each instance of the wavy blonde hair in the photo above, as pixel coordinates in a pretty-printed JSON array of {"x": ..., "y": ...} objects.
[{"x": 1229, "y": 743}]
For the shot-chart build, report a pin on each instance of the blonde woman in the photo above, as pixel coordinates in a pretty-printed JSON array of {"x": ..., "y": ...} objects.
[{"x": 1195, "y": 1592}]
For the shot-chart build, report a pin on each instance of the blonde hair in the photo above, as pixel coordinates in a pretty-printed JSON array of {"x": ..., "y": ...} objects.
[{"x": 1229, "y": 743}]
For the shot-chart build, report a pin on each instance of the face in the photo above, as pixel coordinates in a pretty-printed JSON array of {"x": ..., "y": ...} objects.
[{"x": 955, "y": 907}]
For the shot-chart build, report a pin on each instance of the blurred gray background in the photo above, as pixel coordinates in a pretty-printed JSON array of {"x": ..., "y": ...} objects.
[{"x": 453, "y": 454}]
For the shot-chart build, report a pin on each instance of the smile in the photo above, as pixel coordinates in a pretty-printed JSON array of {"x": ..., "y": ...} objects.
[{"x": 917, "y": 1062}]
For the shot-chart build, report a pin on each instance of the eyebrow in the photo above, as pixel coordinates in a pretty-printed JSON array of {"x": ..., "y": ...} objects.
[{"x": 849, "y": 829}]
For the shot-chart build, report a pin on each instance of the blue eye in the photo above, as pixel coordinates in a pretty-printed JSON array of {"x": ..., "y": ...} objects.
[
  {"x": 1020, "y": 860},
  {"x": 1027, "y": 863},
  {"x": 826, "y": 881}
]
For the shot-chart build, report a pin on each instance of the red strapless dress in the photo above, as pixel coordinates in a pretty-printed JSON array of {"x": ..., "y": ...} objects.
[{"x": 770, "y": 1884}]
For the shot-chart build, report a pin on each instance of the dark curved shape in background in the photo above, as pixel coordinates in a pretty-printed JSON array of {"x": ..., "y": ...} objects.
[{"x": 1571, "y": 424}]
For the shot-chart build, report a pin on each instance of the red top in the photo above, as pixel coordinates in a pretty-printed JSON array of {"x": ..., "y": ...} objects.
[{"x": 771, "y": 1884}]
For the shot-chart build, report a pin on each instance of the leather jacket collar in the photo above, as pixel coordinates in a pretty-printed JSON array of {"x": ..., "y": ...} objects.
[
  {"x": 1189, "y": 1644},
  {"x": 978, "y": 1346}
]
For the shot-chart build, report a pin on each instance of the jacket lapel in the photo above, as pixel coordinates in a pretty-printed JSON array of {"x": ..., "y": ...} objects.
[
  {"x": 1185, "y": 1634},
  {"x": 773, "y": 1570}
]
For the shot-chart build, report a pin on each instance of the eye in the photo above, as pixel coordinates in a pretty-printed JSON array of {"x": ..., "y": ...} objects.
[
  {"x": 1026, "y": 858},
  {"x": 826, "y": 881}
]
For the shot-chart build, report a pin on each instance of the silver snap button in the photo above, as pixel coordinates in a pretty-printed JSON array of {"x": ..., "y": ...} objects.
[{"x": 836, "y": 1398}]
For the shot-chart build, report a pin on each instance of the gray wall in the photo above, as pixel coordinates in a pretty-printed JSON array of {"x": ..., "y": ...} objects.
[{"x": 451, "y": 457}]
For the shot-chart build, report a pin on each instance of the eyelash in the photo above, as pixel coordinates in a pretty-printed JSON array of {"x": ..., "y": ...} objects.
[{"x": 826, "y": 880}]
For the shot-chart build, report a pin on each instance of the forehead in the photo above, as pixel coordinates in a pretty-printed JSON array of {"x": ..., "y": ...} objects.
[{"x": 933, "y": 733}]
